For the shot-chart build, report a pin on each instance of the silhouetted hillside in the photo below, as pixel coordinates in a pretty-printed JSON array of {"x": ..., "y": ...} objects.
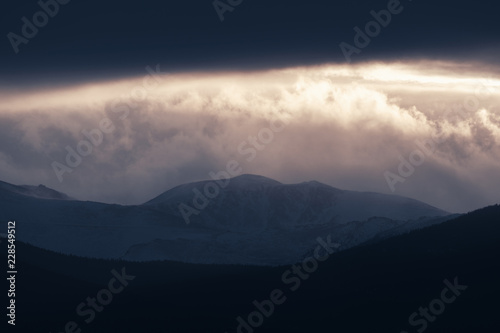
[{"x": 371, "y": 288}]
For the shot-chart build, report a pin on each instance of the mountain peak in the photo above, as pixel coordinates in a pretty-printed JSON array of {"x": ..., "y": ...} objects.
[
  {"x": 41, "y": 191},
  {"x": 253, "y": 179}
]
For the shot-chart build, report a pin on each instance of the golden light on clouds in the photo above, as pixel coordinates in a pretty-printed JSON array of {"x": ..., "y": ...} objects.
[
  {"x": 304, "y": 84},
  {"x": 347, "y": 124}
]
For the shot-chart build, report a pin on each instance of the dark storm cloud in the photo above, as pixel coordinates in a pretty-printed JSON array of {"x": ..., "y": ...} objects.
[{"x": 93, "y": 39}]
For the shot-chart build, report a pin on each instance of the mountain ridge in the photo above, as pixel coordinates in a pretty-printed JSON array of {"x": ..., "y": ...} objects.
[
  {"x": 243, "y": 193},
  {"x": 253, "y": 220},
  {"x": 40, "y": 191}
]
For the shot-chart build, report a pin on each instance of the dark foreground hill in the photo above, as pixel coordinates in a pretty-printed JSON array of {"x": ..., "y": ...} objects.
[{"x": 371, "y": 288}]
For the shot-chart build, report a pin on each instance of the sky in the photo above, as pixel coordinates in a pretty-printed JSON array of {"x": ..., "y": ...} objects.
[{"x": 159, "y": 93}]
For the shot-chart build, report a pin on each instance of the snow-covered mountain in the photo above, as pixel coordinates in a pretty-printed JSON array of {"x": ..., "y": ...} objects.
[
  {"x": 250, "y": 202},
  {"x": 247, "y": 220},
  {"x": 40, "y": 191}
]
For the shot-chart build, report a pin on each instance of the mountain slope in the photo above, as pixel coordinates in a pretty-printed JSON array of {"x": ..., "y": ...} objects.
[
  {"x": 40, "y": 191},
  {"x": 255, "y": 202},
  {"x": 372, "y": 288},
  {"x": 254, "y": 220}
]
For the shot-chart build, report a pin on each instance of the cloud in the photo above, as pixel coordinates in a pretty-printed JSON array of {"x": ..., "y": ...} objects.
[{"x": 346, "y": 126}]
